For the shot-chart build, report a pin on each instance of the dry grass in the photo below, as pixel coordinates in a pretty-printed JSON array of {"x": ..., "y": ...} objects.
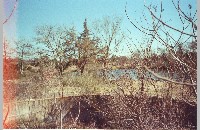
[{"x": 31, "y": 86}]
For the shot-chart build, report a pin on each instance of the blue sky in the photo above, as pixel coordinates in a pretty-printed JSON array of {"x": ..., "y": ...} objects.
[{"x": 31, "y": 13}]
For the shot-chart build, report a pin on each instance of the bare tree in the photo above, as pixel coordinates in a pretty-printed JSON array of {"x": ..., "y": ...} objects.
[
  {"x": 160, "y": 31},
  {"x": 110, "y": 35},
  {"x": 24, "y": 52},
  {"x": 58, "y": 43}
]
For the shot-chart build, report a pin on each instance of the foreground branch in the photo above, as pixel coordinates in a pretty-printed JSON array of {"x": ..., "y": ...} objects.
[
  {"x": 167, "y": 79},
  {"x": 11, "y": 13},
  {"x": 175, "y": 29}
]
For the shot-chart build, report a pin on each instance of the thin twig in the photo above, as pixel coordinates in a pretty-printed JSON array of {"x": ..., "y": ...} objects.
[{"x": 11, "y": 13}]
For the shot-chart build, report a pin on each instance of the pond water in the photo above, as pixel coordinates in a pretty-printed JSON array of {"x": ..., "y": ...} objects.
[
  {"x": 116, "y": 74},
  {"x": 130, "y": 73}
]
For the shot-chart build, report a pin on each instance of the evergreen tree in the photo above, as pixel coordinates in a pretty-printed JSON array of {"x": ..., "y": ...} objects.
[{"x": 87, "y": 47}]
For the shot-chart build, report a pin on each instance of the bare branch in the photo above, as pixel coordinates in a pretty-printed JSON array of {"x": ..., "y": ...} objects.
[
  {"x": 11, "y": 13},
  {"x": 167, "y": 79},
  {"x": 175, "y": 29}
]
